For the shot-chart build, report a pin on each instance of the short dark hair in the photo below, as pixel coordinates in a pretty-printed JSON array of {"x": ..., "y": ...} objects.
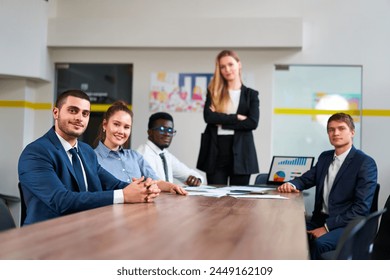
[
  {"x": 61, "y": 99},
  {"x": 159, "y": 116},
  {"x": 342, "y": 117}
]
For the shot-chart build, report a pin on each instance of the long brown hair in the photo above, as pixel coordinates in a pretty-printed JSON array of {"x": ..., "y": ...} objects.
[
  {"x": 115, "y": 107},
  {"x": 218, "y": 86}
]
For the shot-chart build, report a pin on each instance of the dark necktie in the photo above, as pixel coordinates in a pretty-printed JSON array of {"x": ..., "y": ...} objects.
[
  {"x": 164, "y": 160},
  {"x": 78, "y": 170}
]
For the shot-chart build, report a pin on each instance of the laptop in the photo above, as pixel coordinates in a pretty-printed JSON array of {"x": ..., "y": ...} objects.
[{"x": 286, "y": 168}]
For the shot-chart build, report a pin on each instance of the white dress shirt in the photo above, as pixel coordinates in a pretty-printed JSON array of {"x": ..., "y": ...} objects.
[
  {"x": 176, "y": 169},
  {"x": 329, "y": 179},
  {"x": 67, "y": 148},
  {"x": 232, "y": 109}
]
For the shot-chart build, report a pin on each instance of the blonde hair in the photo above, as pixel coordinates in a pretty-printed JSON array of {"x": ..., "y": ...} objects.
[{"x": 218, "y": 87}]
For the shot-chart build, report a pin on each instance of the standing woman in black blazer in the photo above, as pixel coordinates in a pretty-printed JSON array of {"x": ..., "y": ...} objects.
[{"x": 227, "y": 153}]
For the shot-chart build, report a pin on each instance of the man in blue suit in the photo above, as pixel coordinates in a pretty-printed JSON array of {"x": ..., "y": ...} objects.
[
  {"x": 50, "y": 182},
  {"x": 345, "y": 180}
]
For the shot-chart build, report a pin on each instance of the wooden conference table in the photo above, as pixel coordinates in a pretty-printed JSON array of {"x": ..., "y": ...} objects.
[{"x": 173, "y": 227}]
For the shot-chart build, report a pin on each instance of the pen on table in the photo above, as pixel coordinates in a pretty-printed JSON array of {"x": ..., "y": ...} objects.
[
  {"x": 262, "y": 192},
  {"x": 247, "y": 192}
]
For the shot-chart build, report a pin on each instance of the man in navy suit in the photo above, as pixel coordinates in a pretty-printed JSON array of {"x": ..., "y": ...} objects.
[
  {"x": 345, "y": 180},
  {"x": 49, "y": 182}
]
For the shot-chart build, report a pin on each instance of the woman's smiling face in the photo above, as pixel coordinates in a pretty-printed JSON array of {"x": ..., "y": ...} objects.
[{"x": 118, "y": 129}]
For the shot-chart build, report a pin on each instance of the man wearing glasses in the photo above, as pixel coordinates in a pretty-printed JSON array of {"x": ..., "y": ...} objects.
[{"x": 166, "y": 165}]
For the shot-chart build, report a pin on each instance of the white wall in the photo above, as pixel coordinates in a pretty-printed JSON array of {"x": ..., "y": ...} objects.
[
  {"x": 333, "y": 32},
  {"x": 23, "y": 30}
]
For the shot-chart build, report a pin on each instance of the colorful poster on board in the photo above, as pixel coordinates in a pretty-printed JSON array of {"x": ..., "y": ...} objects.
[{"x": 178, "y": 92}]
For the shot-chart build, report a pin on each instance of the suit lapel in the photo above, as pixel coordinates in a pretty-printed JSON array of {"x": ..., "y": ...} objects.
[
  {"x": 242, "y": 102},
  {"x": 64, "y": 156},
  {"x": 324, "y": 172}
]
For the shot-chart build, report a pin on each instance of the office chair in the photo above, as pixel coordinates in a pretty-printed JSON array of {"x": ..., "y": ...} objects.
[
  {"x": 261, "y": 178},
  {"x": 357, "y": 238},
  {"x": 381, "y": 248},
  {"x": 6, "y": 219},
  {"x": 374, "y": 205},
  {"x": 23, "y": 207}
]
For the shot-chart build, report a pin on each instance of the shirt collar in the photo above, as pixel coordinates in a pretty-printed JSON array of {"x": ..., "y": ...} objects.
[
  {"x": 154, "y": 147},
  {"x": 342, "y": 156},
  {"x": 65, "y": 144},
  {"x": 104, "y": 151}
]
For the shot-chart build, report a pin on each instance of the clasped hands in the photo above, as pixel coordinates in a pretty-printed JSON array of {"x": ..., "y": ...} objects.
[
  {"x": 146, "y": 190},
  {"x": 141, "y": 190}
]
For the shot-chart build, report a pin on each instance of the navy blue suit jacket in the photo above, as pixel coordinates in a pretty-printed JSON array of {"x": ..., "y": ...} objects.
[
  {"x": 49, "y": 184},
  {"x": 352, "y": 191}
]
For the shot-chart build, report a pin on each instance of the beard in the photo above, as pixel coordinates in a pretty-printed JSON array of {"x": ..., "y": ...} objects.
[
  {"x": 67, "y": 128},
  {"x": 162, "y": 146},
  {"x": 163, "y": 143}
]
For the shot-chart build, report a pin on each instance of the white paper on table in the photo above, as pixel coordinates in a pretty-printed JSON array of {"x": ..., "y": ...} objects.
[
  {"x": 206, "y": 191},
  {"x": 233, "y": 191},
  {"x": 265, "y": 196},
  {"x": 246, "y": 188},
  {"x": 201, "y": 187}
]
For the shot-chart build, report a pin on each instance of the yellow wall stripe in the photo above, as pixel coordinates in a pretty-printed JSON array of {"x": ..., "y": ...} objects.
[
  {"x": 102, "y": 107},
  {"x": 376, "y": 113},
  {"x": 46, "y": 106},
  {"x": 277, "y": 111},
  {"x": 25, "y": 104},
  {"x": 302, "y": 111}
]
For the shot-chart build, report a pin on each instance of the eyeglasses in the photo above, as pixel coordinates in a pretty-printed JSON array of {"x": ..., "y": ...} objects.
[{"x": 164, "y": 130}]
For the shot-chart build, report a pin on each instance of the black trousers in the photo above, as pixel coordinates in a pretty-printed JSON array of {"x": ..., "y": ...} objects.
[{"x": 223, "y": 173}]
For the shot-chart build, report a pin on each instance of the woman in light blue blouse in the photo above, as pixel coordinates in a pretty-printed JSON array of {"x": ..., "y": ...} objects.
[{"x": 125, "y": 164}]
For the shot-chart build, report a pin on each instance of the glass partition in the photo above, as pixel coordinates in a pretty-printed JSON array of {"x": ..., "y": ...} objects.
[{"x": 305, "y": 96}]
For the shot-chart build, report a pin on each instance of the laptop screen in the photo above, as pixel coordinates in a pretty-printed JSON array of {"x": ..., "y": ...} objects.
[{"x": 286, "y": 168}]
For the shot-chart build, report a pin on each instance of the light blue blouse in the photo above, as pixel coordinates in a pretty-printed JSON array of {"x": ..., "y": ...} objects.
[{"x": 124, "y": 164}]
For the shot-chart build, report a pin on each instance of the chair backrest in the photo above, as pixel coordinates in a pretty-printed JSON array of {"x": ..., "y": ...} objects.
[
  {"x": 262, "y": 178},
  {"x": 6, "y": 219},
  {"x": 374, "y": 205},
  {"x": 381, "y": 249},
  {"x": 23, "y": 207},
  {"x": 357, "y": 238}
]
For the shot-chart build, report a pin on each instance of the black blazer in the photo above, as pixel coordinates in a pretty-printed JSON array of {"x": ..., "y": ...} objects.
[{"x": 244, "y": 151}]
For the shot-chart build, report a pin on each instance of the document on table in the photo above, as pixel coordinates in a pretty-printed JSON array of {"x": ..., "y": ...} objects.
[
  {"x": 263, "y": 196},
  {"x": 206, "y": 191},
  {"x": 234, "y": 191}
]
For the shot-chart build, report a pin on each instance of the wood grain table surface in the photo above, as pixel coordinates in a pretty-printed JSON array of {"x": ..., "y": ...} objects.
[{"x": 173, "y": 227}]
